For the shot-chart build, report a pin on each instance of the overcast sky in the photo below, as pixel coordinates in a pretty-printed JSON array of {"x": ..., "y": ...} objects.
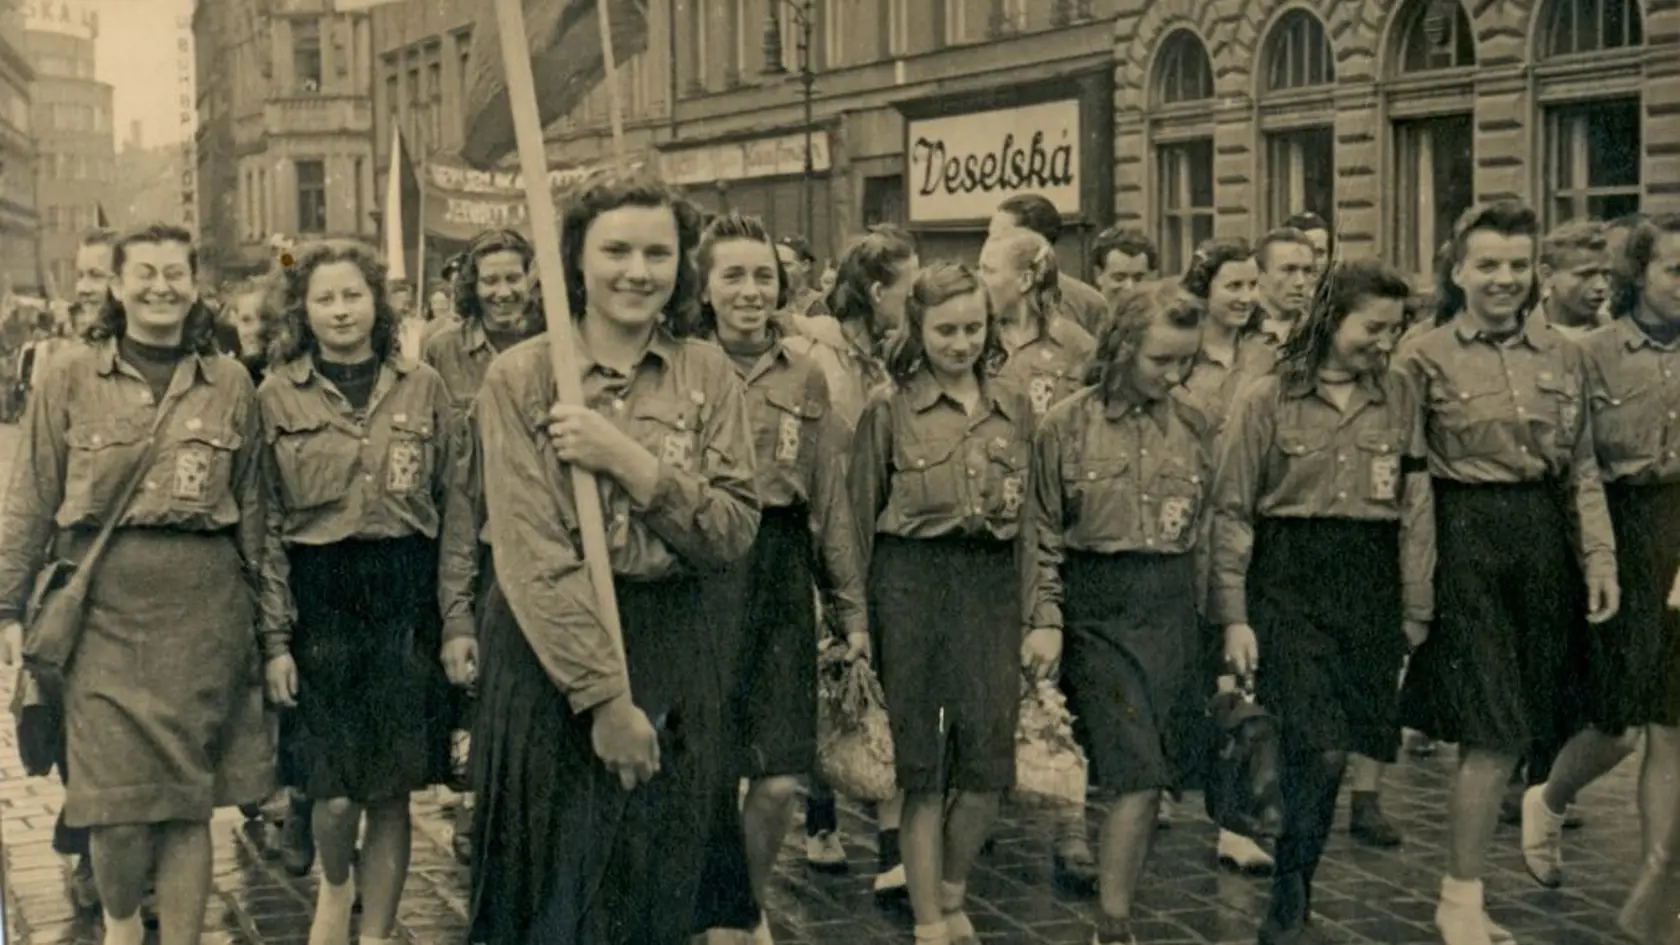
[{"x": 137, "y": 53}]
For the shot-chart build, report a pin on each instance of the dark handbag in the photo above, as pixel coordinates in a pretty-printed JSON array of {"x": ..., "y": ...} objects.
[
  {"x": 40, "y": 725},
  {"x": 58, "y": 601},
  {"x": 1244, "y": 792}
]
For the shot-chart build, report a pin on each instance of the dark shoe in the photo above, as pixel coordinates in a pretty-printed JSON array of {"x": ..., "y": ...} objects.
[
  {"x": 461, "y": 839},
  {"x": 251, "y": 811},
  {"x": 1510, "y": 808},
  {"x": 148, "y": 908},
  {"x": 889, "y": 887},
  {"x": 83, "y": 892},
  {"x": 1287, "y": 913},
  {"x": 1367, "y": 823},
  {"x": 297, "y": 839},
  {"x": 1113, "y": 932},
  {"x": 1075, "y": 869}
]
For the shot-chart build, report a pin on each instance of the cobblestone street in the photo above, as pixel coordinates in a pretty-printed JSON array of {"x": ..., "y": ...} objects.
[{"x": 1363, "y": 895}]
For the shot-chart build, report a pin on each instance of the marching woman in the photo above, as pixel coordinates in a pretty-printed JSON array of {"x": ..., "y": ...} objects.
[
  {"x": 938, "y": 479},
  {"x": 866, "y": 306},
  {"x": 806, "y": 538},
  {"x": 1224, "y": 275},
  {"x": 597, "y": 770},
  {"x": 1319, "y": 474},
  {"x": 359, "y": 442},
  {"x": 163, "y": 702},
  {"x": 1632, "y": 672},
  {"x": 1120, "y": 473},
  {"x": 1520, "y": 518},
  {"x": 494, "y": 293}
]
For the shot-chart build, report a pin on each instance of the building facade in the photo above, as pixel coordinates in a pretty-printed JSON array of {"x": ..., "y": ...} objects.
[
  {"x": 20, "y": 249},
  {"x": 285, "y": 141},
  {"x": 74, "y": 140},
  {"x": 1186, "y": 118}
]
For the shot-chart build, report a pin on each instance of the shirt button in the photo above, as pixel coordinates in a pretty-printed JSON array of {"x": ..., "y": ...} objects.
[
  {"x": 1090, "y": 475},
  {"x": 367, "y": 477},
  {"x": 1143, "y": 452},
  {"x": 366, "y": 441},
  {"x": 1463, "y": 395},
  {"x": 972, "y": 473},
  {"x": 618, "y": 519},
  {"x": 921, "y": 463},
  {"x": 618, "y": 403},
  {"x": 149, "y": 486},
  {"x": 1145, "y": 497},
  {"x": 1341, "y": 458},
  {"x": 1672, "y": 415},
  {"x": 146, "y": 398},
  {"x": 1341, "y": 495}
]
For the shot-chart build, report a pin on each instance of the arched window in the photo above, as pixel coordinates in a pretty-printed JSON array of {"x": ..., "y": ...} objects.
[
  {"x": 1295, "y": 112},
  {"x": 1436, "y": 34},
  {"x": 1298, "y": 54},
  {"x": 1183, "y": 72},
  {"x": 1592, "y": 127},
  {"x": 1182, "y": 137},
  {"x": 1582, "y": 26}
]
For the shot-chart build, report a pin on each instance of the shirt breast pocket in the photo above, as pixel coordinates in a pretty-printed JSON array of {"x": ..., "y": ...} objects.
[
  {"x": 200, "y": 466},
  {"x": 101, "y": 455},
  {"x": 929, "y": 474},
  {"x": 1379, "y": 464},
  {"x": 784, "y": 429},
  {"x": 1626, "y": 424},
  {"x": 1046, "y": 386},
  {"x": 1177, "y": 494},
  {"x": 1559, "y": 403},
  {"x": 1006, "y": 479},
  {"x": 668, "y": 430},
  {"x": 411, "y": 456},
  {"x": 1095, "y": 492},
  {"x": 1463, "y": 413},
  {"x": 316, "y": 462}
]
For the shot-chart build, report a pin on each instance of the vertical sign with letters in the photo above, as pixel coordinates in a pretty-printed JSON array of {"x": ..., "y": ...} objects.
[{"x": 187, "y": 106}]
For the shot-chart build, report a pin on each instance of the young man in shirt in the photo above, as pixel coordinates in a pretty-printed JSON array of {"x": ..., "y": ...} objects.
[
  {"x": 1288, "y": 276},
  {"x": 1124, "y": 258},
  {"x": 1575, "y": 271},
  {"x": 1319, "y": 234}
]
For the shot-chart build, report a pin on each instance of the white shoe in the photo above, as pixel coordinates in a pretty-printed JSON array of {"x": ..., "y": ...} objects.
[
  {"x": 1460, "y": 915},
  {"x": 890, "y": 881},
  {"x": 1497, "y": 934},
  {"x": 824, "y": 850},
  {"x": 1241, "y": 853},
  {"x": 1542, "y": 838},
  {"x": 761, "y": 935}
]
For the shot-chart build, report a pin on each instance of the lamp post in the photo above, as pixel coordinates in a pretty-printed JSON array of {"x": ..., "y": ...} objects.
[{"x": 803, "y": 14}]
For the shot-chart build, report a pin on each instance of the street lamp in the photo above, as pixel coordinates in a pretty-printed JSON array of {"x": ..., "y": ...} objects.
[{"x": 803, "y": 15}]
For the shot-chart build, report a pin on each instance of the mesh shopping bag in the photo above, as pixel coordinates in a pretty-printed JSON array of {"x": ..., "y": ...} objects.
[
  {"x": 854, "y": 741},
  {"x": 1050, "y": 767}
]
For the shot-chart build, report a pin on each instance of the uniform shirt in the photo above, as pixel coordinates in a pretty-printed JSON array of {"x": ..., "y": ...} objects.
[
  {"x": 800, "y": 448},
  {"x": 923, "y": 467},
  {"x": 853, "y": 371},
  {"x": 1212, "y": 387},
  {"x": 337, "y": 474},
  {"x": 1052, "y": 365},
  {"x": 1082, "y": 304},
  {"x": 1633, "y": 392},
  {"x": 1112, "y": 479},
  {"x": 1511, "y": 411},
  {"x": 86, "y": 427},
  {"x": 684, "y": 403},
  {"x": 1289, "y": 452},
  {"x": 461, "y": 353}
]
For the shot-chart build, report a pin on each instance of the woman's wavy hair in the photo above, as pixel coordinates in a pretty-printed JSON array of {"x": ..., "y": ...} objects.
[
  {"x": 872, "y": 258},
  {"x": 1505, "y": 217},
  {"x": 467, "y": 303},
  {"x": 198, "y": 334},
  {"x": 723, "y": 229},
  {"x": 1030, "y": 253},
  {"x": 1345, "y": 286},
  {"x": 1133, "y": 314},
  {"x": 1203, "y": 271},
  {"x": 934, "y": 285},
  {"x": 285, "y": 333},
  {"x": 609, "y": 190},
  {"x": 1638, "y": 252}
]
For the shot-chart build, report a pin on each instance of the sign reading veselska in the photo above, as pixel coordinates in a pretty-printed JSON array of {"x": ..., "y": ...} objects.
[
  {"x": 961, "y": 167},
  {"x": 462, "y": 201}
]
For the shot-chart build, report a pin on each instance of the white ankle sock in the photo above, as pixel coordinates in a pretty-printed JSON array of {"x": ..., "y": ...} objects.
[
  {"x": 129, "y": 931},
  {"x": 333, "y": 905},
  {"x": 933, "y": 933}
]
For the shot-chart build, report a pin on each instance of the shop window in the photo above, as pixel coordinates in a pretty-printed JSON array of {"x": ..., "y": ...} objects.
[
  {"x": 1581, "y": 26},
  {"x": 1183, "y": 73},
  {"x": 1436, "y": 34},
  {"x": 883, "y": 200},
  {"x": 1592, "y": 160},
  {"x": 306, "y": 54},
  {"x": 311, "y": 196},
  {"x": 1185, "y": 200},
  {"x": 1435, "y": 168},
  {"x": 1300, "y": 173},
  {"x": 1298, "y": 54}
]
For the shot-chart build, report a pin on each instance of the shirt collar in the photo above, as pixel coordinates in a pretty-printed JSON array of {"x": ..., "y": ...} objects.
[
  {"x": 105, "y": 355},
  {"x": 303, "y": 370},
  {"x": 1633, "y": 337},
  {"x": 1367, "y": 386},
  {"x": 924, "y": 392},
  {"x": 1533, "y": 331},
  {"x": 1155, "y": 410},
  {"x": 660, "y": 345}
]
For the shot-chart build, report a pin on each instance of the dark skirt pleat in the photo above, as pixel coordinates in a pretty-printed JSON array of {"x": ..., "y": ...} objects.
[{"x": 1631, "y": 676}]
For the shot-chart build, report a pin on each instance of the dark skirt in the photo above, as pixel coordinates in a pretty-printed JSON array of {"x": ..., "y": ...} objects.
[
  {"x": 774, "y": 686},
  {"x": 164, "y": 712},
  {"x": 371, "y": 721},
  {"x": 562, "y": 852},
  {"x": 1510, "y": 613},
  {"x": 1631, "y": 675},
  {"x": 950, "y": 618},
  {"x": 1324, "y": 599},
  {"x": 1131, "y": 646}
]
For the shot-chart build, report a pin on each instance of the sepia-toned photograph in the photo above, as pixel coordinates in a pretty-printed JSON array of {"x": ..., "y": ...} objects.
[{"x": 840, "y": 472}]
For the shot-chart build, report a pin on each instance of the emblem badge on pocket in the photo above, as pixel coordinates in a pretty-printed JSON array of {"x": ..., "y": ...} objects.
[
  {"x": 1385, "y": 477},
  {"x": 1040, "y": 391},
  {"x": 787, "y": 439},
  {"x": 677, "y": 450},
  {"x": 192, "y": 472},
  {"x": 1012, "y": 496},
  {"x": 403, "y": 468},
  {"x": 1175, "y": 517}
]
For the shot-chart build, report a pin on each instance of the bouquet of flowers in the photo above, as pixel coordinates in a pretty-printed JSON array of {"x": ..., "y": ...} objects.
[
  {"x": 854, "y": 741},
  {"x": 1050, "y": 767}
]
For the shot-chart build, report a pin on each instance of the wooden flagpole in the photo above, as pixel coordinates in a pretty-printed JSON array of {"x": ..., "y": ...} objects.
[
  {"x": 562, "y": 342},
  {"x": 615, "y": 101}
]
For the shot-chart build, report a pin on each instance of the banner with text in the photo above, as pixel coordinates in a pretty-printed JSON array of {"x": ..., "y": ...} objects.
[
  {"x": 461, "y": 201},
  {"x": 959, "y": 168}
]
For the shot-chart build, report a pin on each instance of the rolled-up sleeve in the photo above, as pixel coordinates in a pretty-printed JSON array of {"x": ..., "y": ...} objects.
[
  {"x": 539, "y": 566},
  {"x": 463, "y": 524},
  {"x": 1242, "y": 446},
  {"x": 1045, "y": 511},
  {"x": 1594, "y": 535},
  {"x": 867, "y": 475},
  {"x": 34, "y": 493},
  {"x": 1417, "y": 511},
  {"x": 831, "y": 517},
  {"x": 710, "y": 516}
]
